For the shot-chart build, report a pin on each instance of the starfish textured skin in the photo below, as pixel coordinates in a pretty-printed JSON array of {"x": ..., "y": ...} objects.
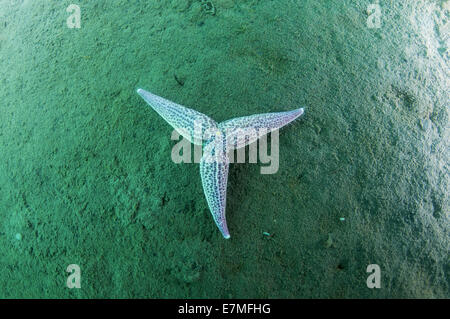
[{"x": 215, "y": 139}]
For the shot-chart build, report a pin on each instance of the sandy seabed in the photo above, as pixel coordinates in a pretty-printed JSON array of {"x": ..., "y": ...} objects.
[{"x": 85, "y": 170}]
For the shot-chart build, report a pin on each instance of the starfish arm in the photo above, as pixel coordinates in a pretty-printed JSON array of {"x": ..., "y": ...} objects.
[
  {"x": 214, "y": 175},
  {"x": 242, "y": 131},
  {"x": 189, "y": 123}
]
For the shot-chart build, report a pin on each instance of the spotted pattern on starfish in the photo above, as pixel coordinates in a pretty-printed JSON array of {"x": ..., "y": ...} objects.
[
  {"x": 242, "y": 131},
  {"x": 214, "y": 173},
  {"x": 214, "y": 164},
  {"x": 180, "y": 117}
]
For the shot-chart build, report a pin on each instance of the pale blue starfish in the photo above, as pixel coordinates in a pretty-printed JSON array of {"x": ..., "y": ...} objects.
[{"x": 215, "y": 139}]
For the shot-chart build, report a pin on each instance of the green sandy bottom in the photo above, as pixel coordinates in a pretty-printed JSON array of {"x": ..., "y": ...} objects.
[{"x": 86, "y": 176}]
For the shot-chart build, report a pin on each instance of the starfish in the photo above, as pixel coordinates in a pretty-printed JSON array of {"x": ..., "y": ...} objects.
[{"x": 216, "y": 139}]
